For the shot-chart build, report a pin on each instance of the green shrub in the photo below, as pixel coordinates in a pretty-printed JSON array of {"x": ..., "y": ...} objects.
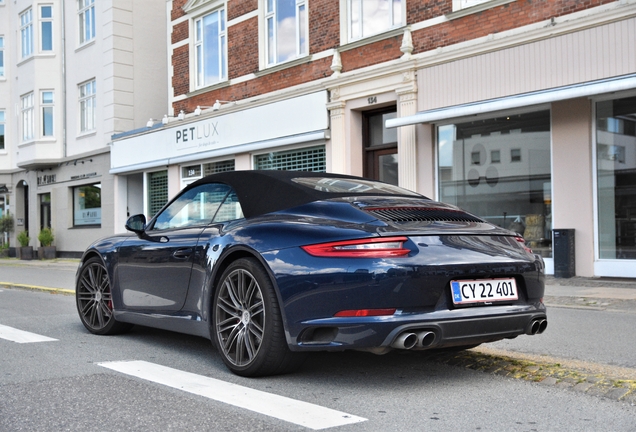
[
  {"x": 6, "y": 223},
  {"x": 24, "y": 239},
  {"x": 46, "y": 237}
]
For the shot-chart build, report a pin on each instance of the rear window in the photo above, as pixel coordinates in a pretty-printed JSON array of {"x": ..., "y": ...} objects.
[{"x": 354, "y": 186}]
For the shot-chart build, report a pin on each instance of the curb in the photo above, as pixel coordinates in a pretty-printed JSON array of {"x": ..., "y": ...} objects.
[
  {"x": 11, "y": 285},
  {"x": 557, "y": 374}
]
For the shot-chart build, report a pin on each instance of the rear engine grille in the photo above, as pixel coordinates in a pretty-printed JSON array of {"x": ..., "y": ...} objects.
[{"x": 421, "y": 214}]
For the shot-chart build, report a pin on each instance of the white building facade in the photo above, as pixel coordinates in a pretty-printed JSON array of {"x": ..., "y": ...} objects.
[{"x": 73, "y": 73}]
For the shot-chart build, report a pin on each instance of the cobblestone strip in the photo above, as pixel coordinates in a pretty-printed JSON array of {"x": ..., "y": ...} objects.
[{"x": 554, "y": 374}]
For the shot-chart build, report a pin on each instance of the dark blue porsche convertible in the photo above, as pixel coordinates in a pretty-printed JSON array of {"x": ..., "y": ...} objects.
[{"x": 271, "y": 265}]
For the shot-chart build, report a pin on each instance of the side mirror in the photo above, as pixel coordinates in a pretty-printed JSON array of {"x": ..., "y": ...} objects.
[{"x": 136, "y": 224}]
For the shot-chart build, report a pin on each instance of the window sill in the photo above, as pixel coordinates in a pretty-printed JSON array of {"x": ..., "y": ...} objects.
[
  {"x": 209, "y": 88},
  {"x": 87, "y": 134},
  {"x": 281, "y": 66},
  {"x": 477, "y": 8},
  {"x": 85, "y": 45},
  {"x": 26, "y": 143},
  {"x": 375, "y": 38}
]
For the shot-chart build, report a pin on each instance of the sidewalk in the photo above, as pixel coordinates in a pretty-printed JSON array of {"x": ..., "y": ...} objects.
[
  {"x": 595, "y": 293},
  {"x": 579, "y": 292},
  {"x": 50, "y": 275}
]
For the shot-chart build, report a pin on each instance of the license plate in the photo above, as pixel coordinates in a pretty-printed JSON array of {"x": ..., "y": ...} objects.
[{"x": 483, "y": 290}]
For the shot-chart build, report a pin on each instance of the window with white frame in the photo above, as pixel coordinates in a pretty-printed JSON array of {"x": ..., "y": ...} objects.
[
  {"x": 46, "y": 28},
  {"x": 87, "y": 103},
  {"x": 286, "y": 23},
  {"x": 46, "y": 102},
  {"x": 367, "y": 18},
  {"x": 26, "y": 33},
  {"x": 27, "y": 117},
  {"x": 1, "y": 129},
  {"x": 1, "y": 56},
  {"x": 210, "y": 48},
  {"x": 86, "y": 13}
]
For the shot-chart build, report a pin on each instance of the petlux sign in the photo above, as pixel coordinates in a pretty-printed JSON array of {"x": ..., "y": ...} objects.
[{"x": 221, "y": 134}]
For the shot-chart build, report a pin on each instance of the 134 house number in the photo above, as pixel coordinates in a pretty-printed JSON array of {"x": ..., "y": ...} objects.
[{"x": 372, "y": 100}]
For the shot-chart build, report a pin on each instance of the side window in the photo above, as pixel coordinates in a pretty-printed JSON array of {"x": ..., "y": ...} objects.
[
  {"x": 230, "y": 209},
  {"x": 196, "y": 207}
]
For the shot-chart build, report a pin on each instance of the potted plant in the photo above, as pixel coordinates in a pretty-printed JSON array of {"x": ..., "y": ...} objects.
[
  {"x": 25, "y": 252},
  {"x": 46, "y": 251}
]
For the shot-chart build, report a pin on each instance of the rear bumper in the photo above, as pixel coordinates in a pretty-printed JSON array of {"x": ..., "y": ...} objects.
[{"x": 450, "y": 328}]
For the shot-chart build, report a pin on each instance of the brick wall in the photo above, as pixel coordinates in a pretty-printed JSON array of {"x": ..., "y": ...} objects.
[
  {"x": 495, "y": 20},
  {"x": 237, "y": 8},
  {"x": 324, "y": 34}
]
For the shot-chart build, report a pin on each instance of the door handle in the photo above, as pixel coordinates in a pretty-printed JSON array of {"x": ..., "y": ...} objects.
[{"x": 182, "y": 253}]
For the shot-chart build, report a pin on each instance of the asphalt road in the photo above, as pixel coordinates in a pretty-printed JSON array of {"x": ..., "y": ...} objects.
[{"x": 66, "y": 385}]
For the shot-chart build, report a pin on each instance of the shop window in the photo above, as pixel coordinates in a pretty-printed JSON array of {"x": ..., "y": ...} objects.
[
  {"x": 616, "y": 178},
  {"x": 515, "y": 196},
  {"x": 87, "y": 205},
  {"x": 286, "y": 25},
  {"x": 87, "y": 105},
  {"x": 380, "y": 145},
  {"x": 210, "y": 48},
  {"x": 26, "y": 33},
  {"x": 157, "y": 191},
  {"x": 306, "y": 159},
  {"x": 45, "y": 211},
  {"x": 46, "y": 28},
  {"x": 86, "y": 16},
  {"x": 367, "y": 18}
]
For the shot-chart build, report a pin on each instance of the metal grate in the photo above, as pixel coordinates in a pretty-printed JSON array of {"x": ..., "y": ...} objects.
[
  {"x": 421, "y": 214},
  {"x": 157, "y": 191},
  {"x": 306, "y": 159},
  {"x": 217, "y": 167}
]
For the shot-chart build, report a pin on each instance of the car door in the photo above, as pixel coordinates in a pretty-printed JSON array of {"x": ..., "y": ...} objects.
[{"x": 154, "y": 269}]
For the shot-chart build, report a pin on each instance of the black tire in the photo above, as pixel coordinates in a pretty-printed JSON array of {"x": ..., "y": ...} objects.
[
  {"x": 247, "y": 327},
  {"x": 94, "y": 300}
]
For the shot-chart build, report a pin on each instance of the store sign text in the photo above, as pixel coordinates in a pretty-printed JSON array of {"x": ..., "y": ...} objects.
[{"x": 197, "y": 133}]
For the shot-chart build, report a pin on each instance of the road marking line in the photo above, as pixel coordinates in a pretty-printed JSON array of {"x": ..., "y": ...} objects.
[
  {"x": 280, "y": 407},
  {"x": 21, "y": 336}
]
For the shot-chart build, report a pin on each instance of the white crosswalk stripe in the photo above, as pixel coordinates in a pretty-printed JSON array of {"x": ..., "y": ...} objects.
[
  {"x": 280, "y": 407},
  {"x": 21, "y": 336}
]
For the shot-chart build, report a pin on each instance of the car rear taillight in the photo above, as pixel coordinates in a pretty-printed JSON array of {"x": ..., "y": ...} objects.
[
  {"x": 523, "y": 243},
  {"x": 365, "y": 312},
  {"x": 378, "y": 247}
]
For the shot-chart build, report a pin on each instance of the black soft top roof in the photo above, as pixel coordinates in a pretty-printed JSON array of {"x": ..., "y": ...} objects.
[{"x": 267, "y": 191}]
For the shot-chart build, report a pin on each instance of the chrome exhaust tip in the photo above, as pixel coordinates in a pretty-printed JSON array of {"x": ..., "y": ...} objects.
[
  {"x": 406, "y": 340},
  {"x": 537, "y": 326},
  {"x": 425, "y": 339}
]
